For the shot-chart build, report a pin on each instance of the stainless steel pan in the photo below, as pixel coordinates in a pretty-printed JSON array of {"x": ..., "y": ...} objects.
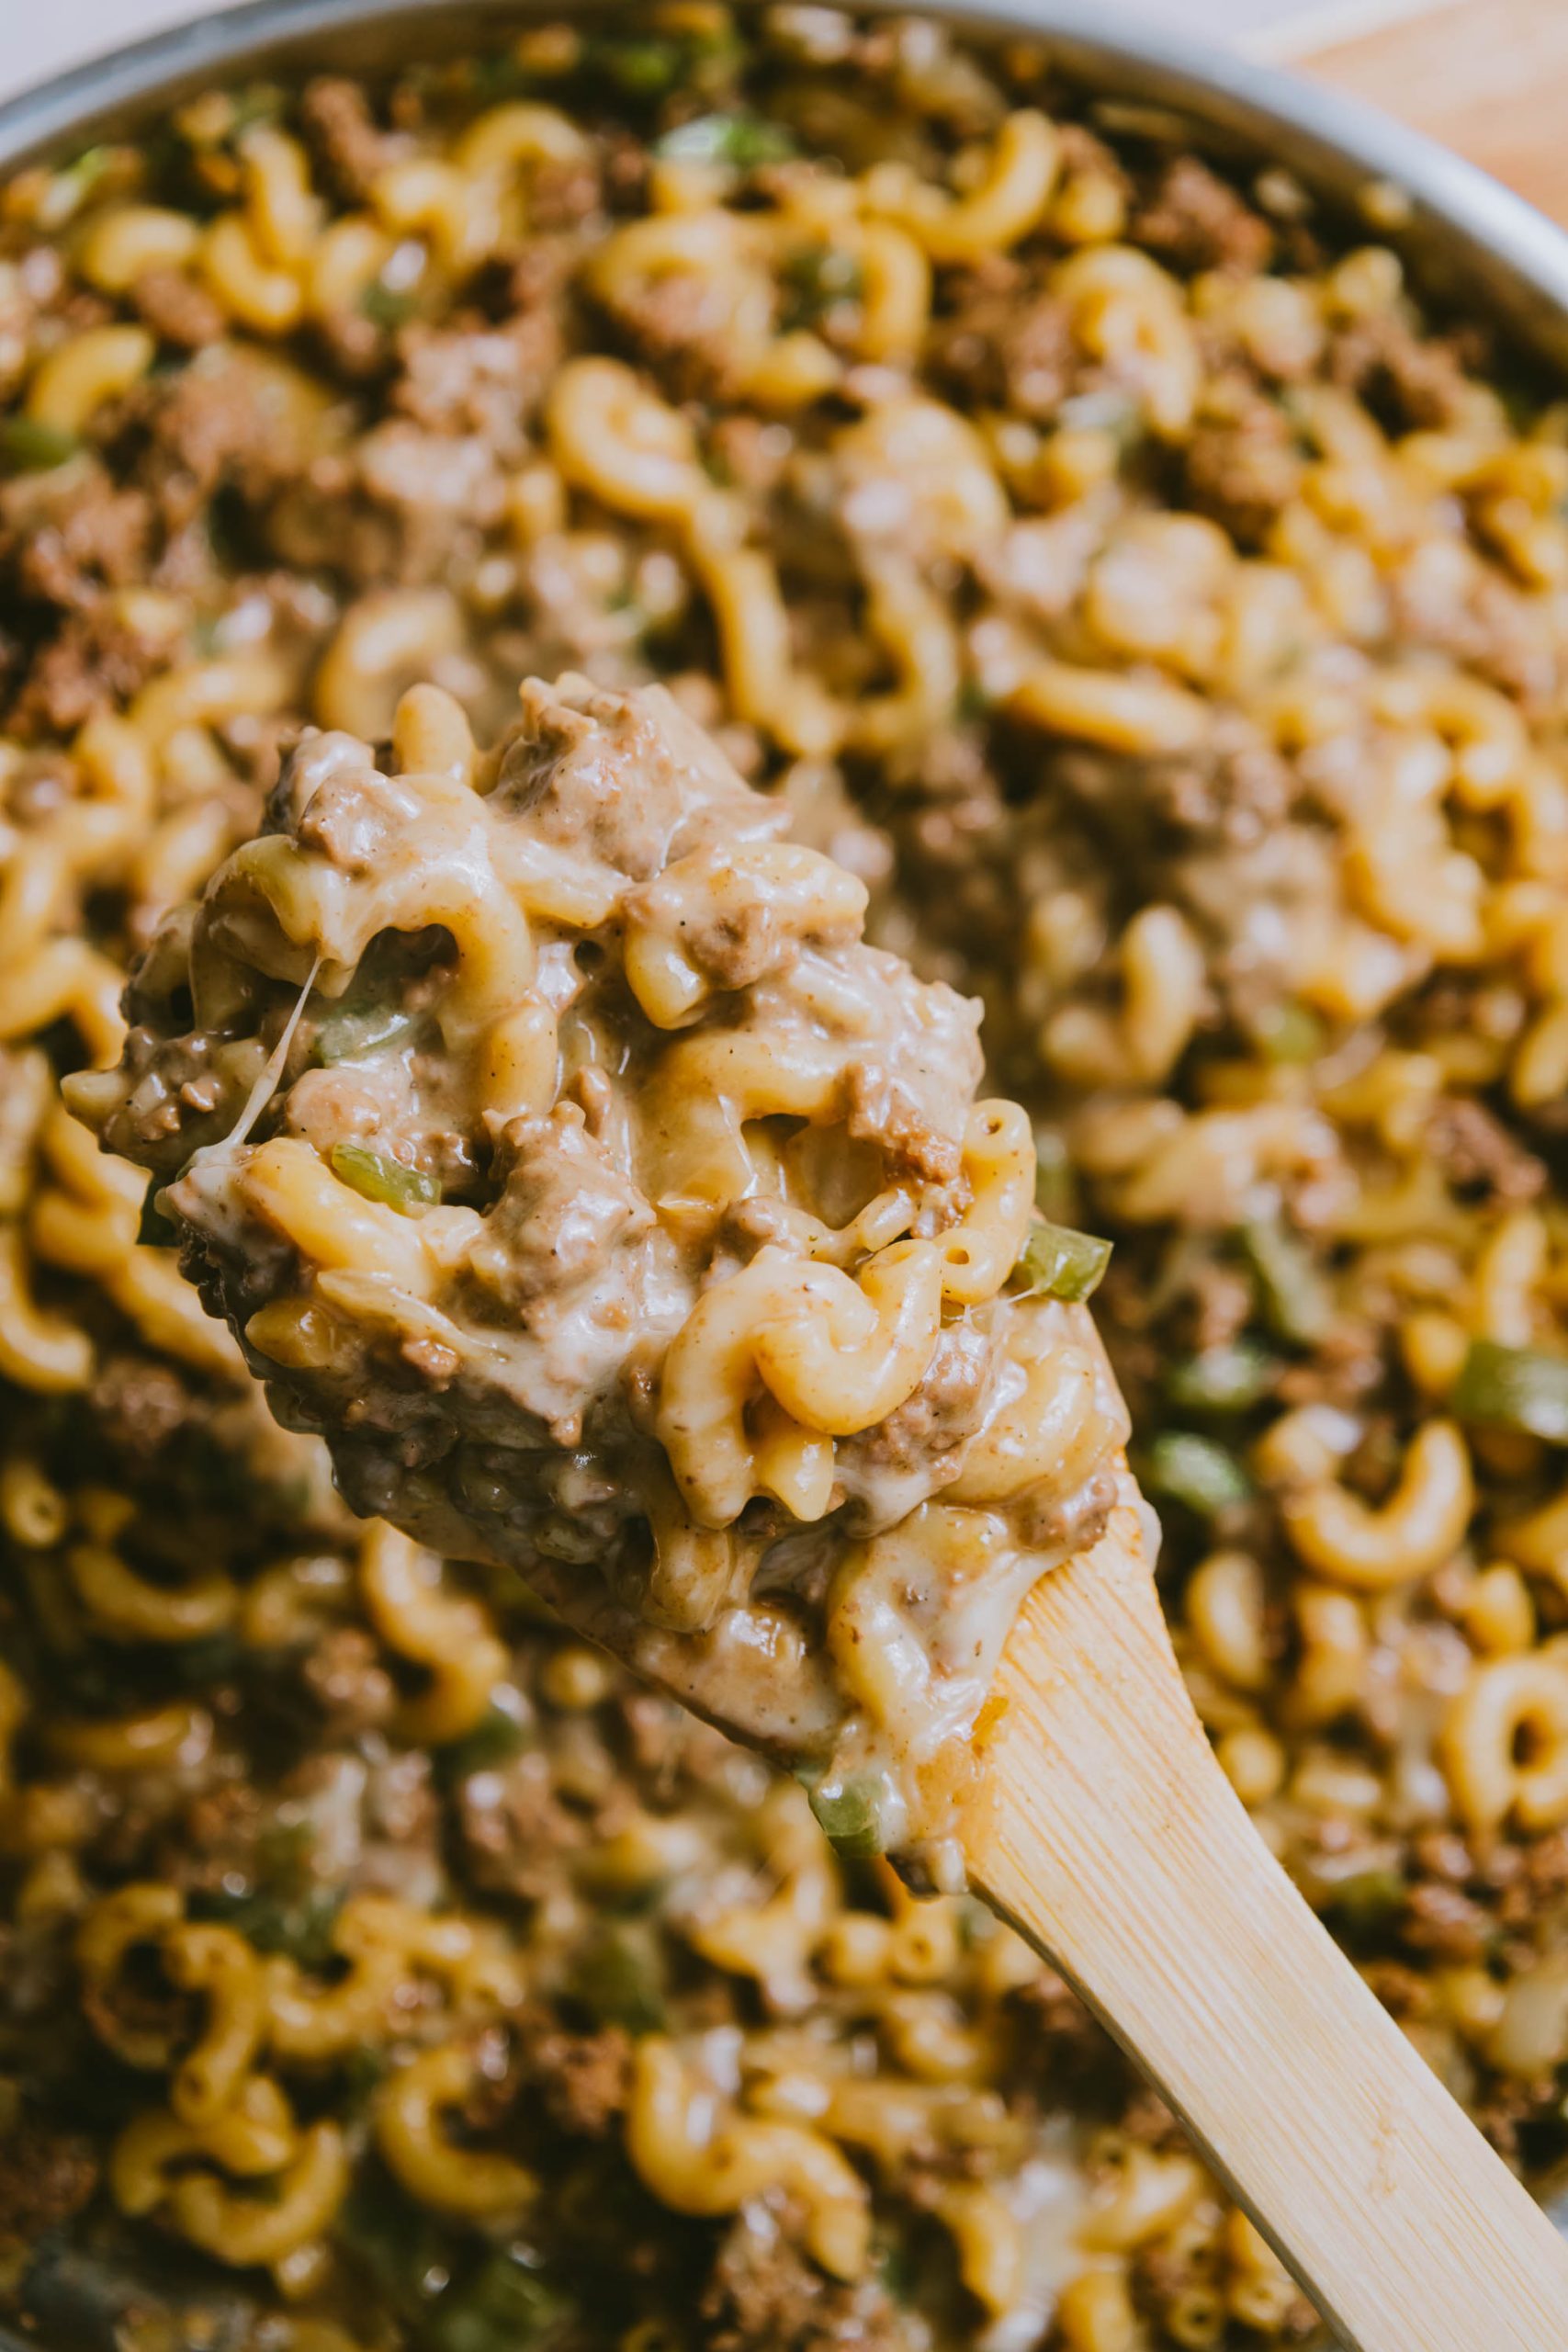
[
  {"x": 1471, "y": 245},
  {"x": 1470, "y": 242}
]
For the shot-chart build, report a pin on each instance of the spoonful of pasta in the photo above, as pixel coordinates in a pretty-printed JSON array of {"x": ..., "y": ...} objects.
[{"x": 558, "y": 1149}]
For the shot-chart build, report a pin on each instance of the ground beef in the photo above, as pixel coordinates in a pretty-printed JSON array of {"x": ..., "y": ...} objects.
[
  {"x": 938, "y": 1419},
  {"x": 1061, "y": 2051},
  {"x": 353, "y": 344},
  {"x": 751, "y": 452},
  {"x": 627, "y": 161},
  {"x": 1147, "y": 2119},
  {"x": 1403, "y": 1991},
  {"x": 1073, "y": 1521},
  {"x": 1478, "y": 1154},
  {"x": 1452, "y": 600},
  {"x": 582, "y": 2079},
  {"x": 434, "y": 482},
  {"x": 330, "y": 778},
  {"x": 1001, "y": 345},
  {"x": 563, "y": 194},
  {"x": 1195, "y": 220},
  {"x": 335, "y": 116},
  {"x": 536, "y": 278},
  {"x": 1223, "y": 795},
  {"x": 564, "y": 1212},
  {"x": 214, "y": 424},
  {"x": 398, "y": 510},
  {"x": 1527, "y": 1882},
  {"x": 46, "y": 2178},
  {"x": 683, "y": 326},
  {"x": 1345, "y": 1367},
  {"x": 344, "y": 1677},
  {"x": 140, "y": 1406},
  {"x": 96, "y": 663},
  {"x": 658, "y": 1735},
  {"x": 1417, "y": 379},
  {"x": 65, "y": 544},
  {"x": 178, "y": 311},
  {"x": 516, "y": 1829},
  {"x": 475, "y": 379},
  {"x": 880, "y": 1110},
  {"x": 1242, "y": 462},
  {"x": 1221, "y": 1305},
  {"x": 763, "y": 2295},
  {"x": 605, "y": 776},
  {"x": 1444, "y": 1921},
  {"x": 214, "y": 1843}
]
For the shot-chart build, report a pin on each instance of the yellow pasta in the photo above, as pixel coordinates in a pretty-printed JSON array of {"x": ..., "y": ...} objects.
[
  {"x": 88, "y": 369},
  {"x": 1148, "y": 624},
  {"x": 431, "y": 2165}
]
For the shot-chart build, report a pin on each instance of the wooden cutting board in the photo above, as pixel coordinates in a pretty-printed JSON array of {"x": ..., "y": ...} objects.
[{"x": 1488, "y": 77}]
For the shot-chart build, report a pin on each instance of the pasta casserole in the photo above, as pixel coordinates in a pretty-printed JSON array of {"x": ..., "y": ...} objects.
[
  {"x": 619, "y": 1216},
  {"x": 1109, "y": 560}
]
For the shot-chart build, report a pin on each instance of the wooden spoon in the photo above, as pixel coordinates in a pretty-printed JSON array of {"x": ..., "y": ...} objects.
[{"x": 1108, "y": 1835}]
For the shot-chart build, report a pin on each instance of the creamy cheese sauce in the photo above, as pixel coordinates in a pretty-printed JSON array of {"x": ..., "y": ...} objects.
[{"x": 618, "y": 1216}]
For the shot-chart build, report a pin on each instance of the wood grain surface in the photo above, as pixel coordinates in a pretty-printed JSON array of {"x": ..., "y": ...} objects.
[
  {"x": 1488, "y": 77},
  {"x": 1113, "y": 1840}
]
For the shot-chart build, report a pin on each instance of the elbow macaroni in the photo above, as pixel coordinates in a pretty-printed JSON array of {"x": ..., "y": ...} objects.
[
  {"x": 1179, "y": 616},
  {"x": 749, "y": 952}
]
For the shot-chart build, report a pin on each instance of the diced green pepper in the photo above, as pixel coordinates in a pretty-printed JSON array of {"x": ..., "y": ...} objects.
[
  {"x": 495, "y": 1739},
  {"x": 398, "y": 2247},
  {"x": 1295, "y": 1297},
  {"x": 1196, "y": 1471},
  {"x": 288, "y": 1908},
  {"x": 1367, "y": 1900},
  {"x": 387, "y": 306},
  {"x": 82, "y": 174},
  {"x": 620, "y": 1978},
  {"x": 377, "y": 1177},
  {"x": 1057, "y": 1262},
  {"x": 29, "y": 447},
  {"x": 347, "y": 1036},
  {"x": 1223, "y": 1380},
  {"x": 1111, "y": 411},
  {"x": 153, "y": 1229},
  {"x": 503, "y": 2307},
  {"x": 850, "y": 1812},
  {"x": 1513, "y": 1388},
  {"x": 362, "y": 2070},
  {"x": 744, "y": 139},
  {"x": 640, "y": 68},
  {"x": 815, "y": 279},
  {"x": 898, "y": 2271},
  {"x": 1290, "y": 1033},
  {"x": 257, "y": 102},
  {"x": 203, "y": 1665}
]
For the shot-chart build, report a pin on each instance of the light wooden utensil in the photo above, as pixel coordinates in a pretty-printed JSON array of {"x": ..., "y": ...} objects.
[{"x": 1108, "y": 1835}]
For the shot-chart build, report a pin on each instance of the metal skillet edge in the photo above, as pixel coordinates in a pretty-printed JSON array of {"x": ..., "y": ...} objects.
[{"x": 1470, "y": 242}]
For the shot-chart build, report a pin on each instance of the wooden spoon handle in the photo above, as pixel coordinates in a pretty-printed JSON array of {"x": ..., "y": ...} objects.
[{"x": 1111, "y": 1838}]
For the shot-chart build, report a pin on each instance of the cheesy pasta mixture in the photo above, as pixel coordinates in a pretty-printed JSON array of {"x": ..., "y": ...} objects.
[
  {"x": 643, "y": 1236},
  {"x": 1164, "y": 623}
]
